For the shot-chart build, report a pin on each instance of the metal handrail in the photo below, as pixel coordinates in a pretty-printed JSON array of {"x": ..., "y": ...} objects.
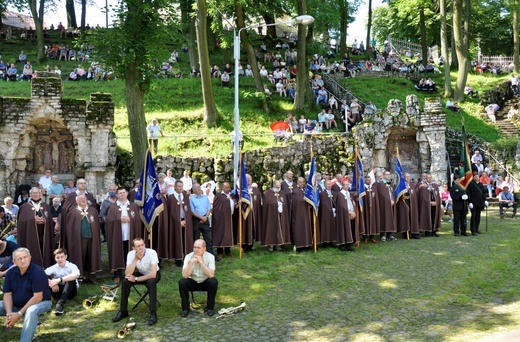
[{"x": 513, "y": 178}]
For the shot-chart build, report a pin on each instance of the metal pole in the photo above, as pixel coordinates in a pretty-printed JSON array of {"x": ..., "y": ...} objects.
[
  {"x": 106, "y": 12},
  {"x": 236, "y": 112}
]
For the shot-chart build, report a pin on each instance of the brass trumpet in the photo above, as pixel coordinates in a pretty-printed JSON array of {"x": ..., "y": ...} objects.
[
  {"x": 88, "y": 303},
  {"x": 7, "y": 228},
  {"x": 232, "y": 310},
  {"x": 127, "y": 328}
]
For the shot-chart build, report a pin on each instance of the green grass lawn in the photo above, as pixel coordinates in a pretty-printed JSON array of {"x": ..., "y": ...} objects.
[{"x": 434, "y": 289}]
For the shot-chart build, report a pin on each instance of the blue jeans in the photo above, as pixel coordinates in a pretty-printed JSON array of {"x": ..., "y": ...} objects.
[{"x": 30, "y": 321}]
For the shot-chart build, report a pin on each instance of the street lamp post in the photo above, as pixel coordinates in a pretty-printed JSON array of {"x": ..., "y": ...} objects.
[
  {"x": 479, "y": 52},
  {"x": 302, "y": 19}
]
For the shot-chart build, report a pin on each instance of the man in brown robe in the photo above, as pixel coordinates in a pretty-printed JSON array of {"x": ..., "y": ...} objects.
[
  {"x": 301, "y": 217},
  {"x": 83, "y": 239},
  {"x": 35, "y": 229},
  {"x": 70, "y": 200},
  {"x": 402, "y": 213},
  {"x": 179, "y": 243},
  {"x": 370, "y": 211},
  {"x": 222, "y": 222},
  {"x": 412, "y": 204},
  {"x": 429, "y": 204},
  {"x": 345, "y": 216},
  {"x": 386, "y": 199},
  {"x": 288, "y": 187},
  {"x": 123, "y": 225},
  {"x": 251, "y": 226},
  {"x": 275, "y": 217},
  {"x": 326, "y": 215},
  {"x": 161, "y": 231},
  {"x": 337, "y": 186}
]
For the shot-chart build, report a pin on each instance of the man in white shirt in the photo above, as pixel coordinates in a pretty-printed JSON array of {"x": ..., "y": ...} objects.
[
  {"x": 198, "y": 274},
  {"x": 44, "y": 183},
  {"x": 153, "y": 130},
  {"x": 142, "y": 267},
  {"x": 63, "y": 277}
]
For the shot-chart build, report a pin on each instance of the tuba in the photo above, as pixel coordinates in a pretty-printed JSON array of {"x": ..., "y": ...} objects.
[
  {"x": 127, "y": 328},
  {"x": 232, "y": 310},
  {"x": 88, "y": 303}
]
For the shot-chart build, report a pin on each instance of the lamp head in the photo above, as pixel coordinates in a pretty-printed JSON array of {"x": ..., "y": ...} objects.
[{"x": 304, "y": 19}]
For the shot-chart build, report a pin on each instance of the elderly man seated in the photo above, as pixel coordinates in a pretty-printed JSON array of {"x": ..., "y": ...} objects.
[{"x": 506, "y": 200}]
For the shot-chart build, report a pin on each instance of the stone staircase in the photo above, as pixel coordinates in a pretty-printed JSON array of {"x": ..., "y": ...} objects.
[{"x": 506, "y": 127}]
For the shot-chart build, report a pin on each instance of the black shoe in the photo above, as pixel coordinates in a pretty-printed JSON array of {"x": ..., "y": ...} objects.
[
  {"x": 59, "y": 309},
  {"x": 416, "y": 236},
  {"x": 185, "y": 313},
  {"x": 210, "y": 313},
  {"x": 456, "y": 233},
  {"x": 464, "y": 234},
  {"x": 427, "y": 234},
  {"x": 479, "y": 232},
  {"x": 179, "y": 263},
  {"x": 120, "y": 315},
  {"x": 153, "y": 318},
  {"x": 474, "y": 234},
  {"x": 435, "y": 234},
  {"x": 349, "y": 248}
]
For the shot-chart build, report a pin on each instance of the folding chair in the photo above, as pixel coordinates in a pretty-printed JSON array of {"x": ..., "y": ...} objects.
[
  {"x": 110, "y": 291},
  {"x": 143, "y": 297}
]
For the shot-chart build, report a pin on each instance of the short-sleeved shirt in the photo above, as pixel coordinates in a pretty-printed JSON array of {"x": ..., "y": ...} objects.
[
  {"x": 55, "y": 189},
  {"x": 200, "y": 204},
  {"x": 55, "y": 271},
  {"x": 9, "y": 249},
  {"x": 153, "y": 131},
  {"x": 45, "y": 182},
  {"x": 197, "y": 273},
  {"x": 23, "y": 287},
  {"x": 508, "y": 197},
  {"x": 144, "y": 266},
  {"x": 13, "y": 210}
]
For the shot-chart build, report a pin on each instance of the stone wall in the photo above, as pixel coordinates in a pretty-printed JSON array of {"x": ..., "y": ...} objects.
[
  {"x": 419, "y": 135},
  {"x": 48, "y": 119}
]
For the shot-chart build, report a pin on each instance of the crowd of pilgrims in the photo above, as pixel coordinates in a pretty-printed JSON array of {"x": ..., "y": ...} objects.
[{"x": 279, "y": 216}]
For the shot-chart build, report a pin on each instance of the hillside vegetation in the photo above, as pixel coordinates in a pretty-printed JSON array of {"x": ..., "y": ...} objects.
[{"x": 178, "y": 105}]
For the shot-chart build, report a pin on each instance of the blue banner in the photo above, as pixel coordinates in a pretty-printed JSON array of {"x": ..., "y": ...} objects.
[
  {"x": 245, "y": 197},
  {"x": 401, "y": 183},
  {"x": 311, "y": 192},
  {"x": 152, "y": 204},
  {"x": 359, "y": 180}
]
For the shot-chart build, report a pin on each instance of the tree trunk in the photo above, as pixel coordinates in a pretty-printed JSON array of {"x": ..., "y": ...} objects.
[
  {"x": 71, "y": 14},
  {"x": 454, "y": 60},
  {"x": 516, "y": 32},
  {"x": 302, "y": 78},
  {"x": 422, "y": 26},
  {"x": 37, "y": 14},
  {"x": 191, "y": 43},
  {"x": 211, "y": 36},
  {"x": 210, "y": 109},
  {"x": 251, "y": 58},
  {"x": 342, "y": 33},
  {"x": 271, "y": 30},
  {"x": 444, "y": 50},
  {"x": 461, "y": 35},
  {"x": 136, "y": 118},
  {"x": 188, "y": 23},
  {"x": 369, "y": 28},
  {"x": 83, "y": 16}
]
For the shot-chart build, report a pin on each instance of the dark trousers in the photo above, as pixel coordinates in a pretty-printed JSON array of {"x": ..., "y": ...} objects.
[
  {"x": 503, "y": 205},
  {"x": 433, "y": 213},
  {"x": 66, "y": 291},
  {"x": 186, "y": 285},
  {"x": 155, "y": 142},
  {"x": 151, "y": 285},
  {"x": 120, "y": 272},
  {"x": 459, "y": 221},
  {"x": 86, "y": 254},
  {"x": 205, "y": 230},
  {"x": 475, "y": 219}
]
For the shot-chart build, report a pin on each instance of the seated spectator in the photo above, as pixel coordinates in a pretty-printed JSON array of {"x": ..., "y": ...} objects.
[
  {"x": 333, "y": 103},
  {"x": 267, "y": 91},
  {"x": 27, "y": 72},
  {"x": 322, "y": 118},
  {"x": 351, "y": 68},
  {"x": 301, "y": 123},
  {"x": 63, "y": 277},
  {"x": 322, "y": 96},
  {"x": 73, "y": 76},
  {"x": 370, "y": 109},
  {"x": 11, "y": 74},
  {"x": 491, "y": 112},
  {"x": 452, "y": 105},
  {"x": 506, "y": 200},
  {"x": 318, "y": 128},
  {"x": 309, "y": 128},
  {"x": 278, "y": 45},
  {"x": 240, "y": 70},
  {"x": 227, "y": 68},
  {"x": 355, "y": 111},
  {"x": 280, "y": 89},
  {"x": 22, "y": 58},
  {"x": 486, "y": 182},
  {"x": 430, "y": 68},
  {"x": 10, "y": 207},
  {"x": 331, "y": 120},
  {"x": 263, "y": 47},
  {"x": 430, "y": 84},
  {"x": 249, "y": 71},
  {"x": 291, "y": 89},
  {"x": 215, "y": 72},
  {"x": 513, "y": 111},
  {"x": 224, "y": 80},
  {"x": 81, "y": 73},
  {"x": 90, "y": 74},
  {"x": 72, "y": 55},
  {"x": 470, "y": 91},
  {"x": 263, "y": 72},
  {"x": 194, "y": 72},
  {"x": 3, "y": 67},
  {"x": 57, "y": 70}
]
